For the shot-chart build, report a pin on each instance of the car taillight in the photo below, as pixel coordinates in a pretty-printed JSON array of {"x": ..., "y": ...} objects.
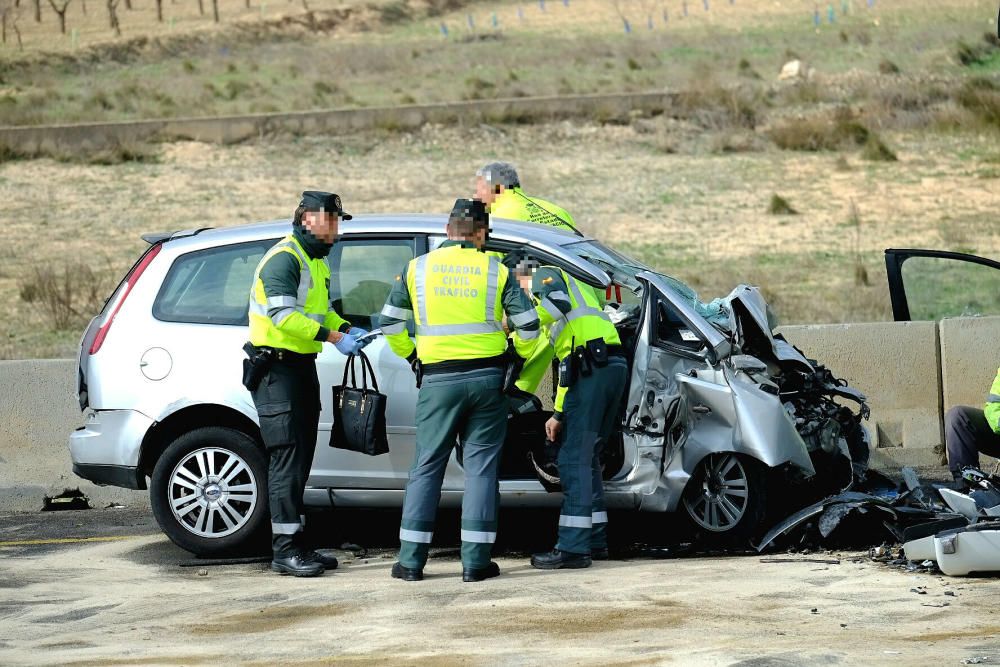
[{"x": 130, "y": 281}]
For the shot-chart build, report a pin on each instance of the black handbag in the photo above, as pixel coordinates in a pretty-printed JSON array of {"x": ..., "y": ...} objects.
[{"x": 359, "y": 412}]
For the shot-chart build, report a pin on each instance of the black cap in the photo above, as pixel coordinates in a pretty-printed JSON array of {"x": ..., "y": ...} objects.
[
  {"x": 314, "y": 200},
  {"x": 470, "y": 210}
]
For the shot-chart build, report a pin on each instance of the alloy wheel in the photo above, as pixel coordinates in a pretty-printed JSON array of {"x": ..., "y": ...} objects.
[
  {"x": 212, "y": 492},
  {"x": 720, "y": 501}
]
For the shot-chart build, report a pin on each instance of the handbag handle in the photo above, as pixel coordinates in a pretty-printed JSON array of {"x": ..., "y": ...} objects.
[
  {"x": 366, "y": 363},
  {"x": 349, "y": 366}
]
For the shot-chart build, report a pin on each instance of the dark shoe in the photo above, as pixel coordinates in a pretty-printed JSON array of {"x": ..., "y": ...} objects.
[
  {"x": 600, "y": 553},
  {"x": 297, "y": 566},
  {"x": 406, "y": 573},
  {"x": 328, "y": 562},
  {"x": 480, "y": 573},
  {"x": 555, "y": 560}
]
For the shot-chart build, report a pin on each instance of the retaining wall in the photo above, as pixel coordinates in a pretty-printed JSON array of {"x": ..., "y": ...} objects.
[
  {"x": 910, "y": 371},
  {"x": 232, "y": 129}
]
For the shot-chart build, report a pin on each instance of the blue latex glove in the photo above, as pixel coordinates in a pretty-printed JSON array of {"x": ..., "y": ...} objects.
[
  {"x": 358, "y": 332},
  {"x": 348, "y": 345}
]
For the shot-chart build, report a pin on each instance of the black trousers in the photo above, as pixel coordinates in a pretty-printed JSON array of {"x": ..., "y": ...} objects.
[
  {"x": 966, "y": 434},
  {"x": 288, "y": 406}
]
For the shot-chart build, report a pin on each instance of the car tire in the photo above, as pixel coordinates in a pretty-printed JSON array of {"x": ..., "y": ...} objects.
[
  {"x": 726, "y": 499},
  {"x": 208, "y": 492}
]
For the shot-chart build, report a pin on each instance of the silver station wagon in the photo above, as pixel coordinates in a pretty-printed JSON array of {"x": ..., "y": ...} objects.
[{"x": 719, "y": 409}]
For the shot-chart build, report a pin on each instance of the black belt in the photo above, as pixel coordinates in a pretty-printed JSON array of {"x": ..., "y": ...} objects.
[
  {"x": 287, "y": 356},
  {"x": 459, "y": 365},
  {"x": 616, "y": 351}
]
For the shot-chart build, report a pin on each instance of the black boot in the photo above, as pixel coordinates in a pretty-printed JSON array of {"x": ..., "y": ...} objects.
[
  {"x": 599, "y": 553},
  {"x": 555, "y": 560},
  {"x": 328, "y": 562},
  {"x": 406, "y": 573},
  {"x": 480, "y": 573},
  {"x": 296, "y": 565}
]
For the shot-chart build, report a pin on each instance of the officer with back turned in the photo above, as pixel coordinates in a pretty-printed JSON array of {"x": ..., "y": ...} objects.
[
  {"x": 290, "y": 319},
  {"x": 457, "y": 296}
]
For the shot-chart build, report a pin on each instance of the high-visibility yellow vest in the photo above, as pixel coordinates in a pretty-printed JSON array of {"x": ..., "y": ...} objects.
[
  {"x": 992, "y": 409},
  {"x": 457, "y": 307},
  {"x": 312, "y": 301},
  {"x": 585, "y": 321}
]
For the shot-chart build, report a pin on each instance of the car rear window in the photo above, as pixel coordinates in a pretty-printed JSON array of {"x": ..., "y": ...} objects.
[{"x": 211, "y": 286}]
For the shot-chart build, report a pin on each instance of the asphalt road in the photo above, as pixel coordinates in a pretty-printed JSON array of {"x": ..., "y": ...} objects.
[{"x": 105, "y": 587}]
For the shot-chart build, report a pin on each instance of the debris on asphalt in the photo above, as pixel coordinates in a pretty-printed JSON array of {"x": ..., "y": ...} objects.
[
  {"x": 824, "y": 561},
  {"x": 69, "y": 499},
  {"x": 919, "y": 590},
  {"x": 976, "y": 661},
  {"x": 202, "y": 573},
  {"x": 918, "y": 526},
  {"x": 114, "y": 506},
  {"x": 950, "y": 593}
]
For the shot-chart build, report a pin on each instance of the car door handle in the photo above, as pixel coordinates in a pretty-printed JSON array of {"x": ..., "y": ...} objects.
[{"x": 701, "y": 409}]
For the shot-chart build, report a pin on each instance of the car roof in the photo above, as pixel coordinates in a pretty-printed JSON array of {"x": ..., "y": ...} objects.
[{"x": 382, "y": 223}]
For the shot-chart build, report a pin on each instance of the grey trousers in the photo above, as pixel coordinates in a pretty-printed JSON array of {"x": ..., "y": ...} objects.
[{"x": 966, "y": 434}]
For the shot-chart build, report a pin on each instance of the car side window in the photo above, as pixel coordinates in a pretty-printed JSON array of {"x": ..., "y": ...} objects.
[
  {"x": 939, "y": 287},
  {"x": 362, "y": 272},
  {"x": 211, "y": 286},
  {"x": 672, "y": 332}
]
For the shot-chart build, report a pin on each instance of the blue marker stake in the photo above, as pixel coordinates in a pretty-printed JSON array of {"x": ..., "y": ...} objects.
[
  {"x": 831, "y": 15},
  {"x": 520, "y": 13},
  {"x": 565, "y": 3},
  {"x": 496, "y": 23},
  {"x": 844, "y": 7},
  {"x": 628, "y": 28},
  {"x": 705, "y": 2},
  {"x": 666, "y": 16},
  {"x": 541, "y": 5},
  {"x": 649, "y": 22},
  {"x": 685, "y": 5},
  {"x": 472, "y": 22},
  {"x": 444, "y": 30},
  {"x": 816, "y": 19}
]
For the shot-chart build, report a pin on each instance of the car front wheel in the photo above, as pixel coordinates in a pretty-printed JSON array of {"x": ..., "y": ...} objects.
[
  {"x": 726, "y": 497},
  {"x": 208, "y": 491}
]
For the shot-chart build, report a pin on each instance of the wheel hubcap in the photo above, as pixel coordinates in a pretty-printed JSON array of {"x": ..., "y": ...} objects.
[
  {"x": 212, "y": 492},
  {"x": 720, "y": 501}
]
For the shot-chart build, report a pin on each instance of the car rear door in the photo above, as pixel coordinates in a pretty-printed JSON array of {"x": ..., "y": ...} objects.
[
  {"x": 935, "y": 284},
  {"x": 363, "y": 268}
]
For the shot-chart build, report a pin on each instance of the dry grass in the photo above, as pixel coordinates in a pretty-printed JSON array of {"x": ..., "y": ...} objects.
[{"x": 695, "y": 215}]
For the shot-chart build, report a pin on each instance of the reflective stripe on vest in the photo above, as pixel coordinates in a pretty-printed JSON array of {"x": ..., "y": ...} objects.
[{"x": 578, "y": 311}]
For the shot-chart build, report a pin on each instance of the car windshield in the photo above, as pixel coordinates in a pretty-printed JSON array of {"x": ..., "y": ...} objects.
[
  {"x": 624, "y": 268},
  {"x": 621, "y": 267}
]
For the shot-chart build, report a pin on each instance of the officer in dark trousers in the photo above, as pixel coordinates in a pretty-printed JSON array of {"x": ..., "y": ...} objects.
[
  {"x": 457, "y": 296},
  {"x": 592, "y": 376},
  {"x": 290, "y": 319}
]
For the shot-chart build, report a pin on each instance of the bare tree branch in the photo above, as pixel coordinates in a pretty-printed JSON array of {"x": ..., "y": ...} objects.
[{"x": 60, "y": 10}]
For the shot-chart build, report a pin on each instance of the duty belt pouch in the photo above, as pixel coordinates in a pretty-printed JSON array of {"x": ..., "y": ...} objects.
[
  {"x": 597, "y": 349},
  {"x": 582, "y": 361},
  {"x": 512, "y": 369},
  {"x": 359, "y": 412},
  {"x": 255, "y": 366}
]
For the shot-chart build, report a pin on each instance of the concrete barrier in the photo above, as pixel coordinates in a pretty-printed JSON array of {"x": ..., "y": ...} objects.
[
  {"x": 231, "y": 129},
  {"x": 910, "y": 371},
  {"x": 38, "y": 411}
]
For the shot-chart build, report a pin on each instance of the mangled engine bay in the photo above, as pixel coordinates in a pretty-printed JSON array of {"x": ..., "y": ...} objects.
[{"x": 738, "y": 391}]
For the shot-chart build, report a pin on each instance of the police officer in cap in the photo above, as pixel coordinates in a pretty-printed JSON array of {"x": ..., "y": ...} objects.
[
  {"x": 290, "y": 319},
  {"x": 498, "y": 186},
  {"x": 457, "y": 296}
]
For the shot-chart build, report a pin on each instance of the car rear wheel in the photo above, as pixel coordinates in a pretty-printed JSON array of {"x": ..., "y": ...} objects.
[
  {"x": 209, "y": 491},
  {"x": 726, "y": 497}
]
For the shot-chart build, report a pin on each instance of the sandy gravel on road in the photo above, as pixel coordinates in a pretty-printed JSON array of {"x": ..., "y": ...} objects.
[{"x": 128, "y": 603}]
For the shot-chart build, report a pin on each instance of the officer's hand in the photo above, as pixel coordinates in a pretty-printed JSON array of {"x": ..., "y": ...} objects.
[
  {"x": 552, "y": 428},
  {"x": 505, "y": 325},
  {"x": 334, "y": 337},
  {"x": 358, "y": 332},
  {"x": 348, "y": 345}
]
